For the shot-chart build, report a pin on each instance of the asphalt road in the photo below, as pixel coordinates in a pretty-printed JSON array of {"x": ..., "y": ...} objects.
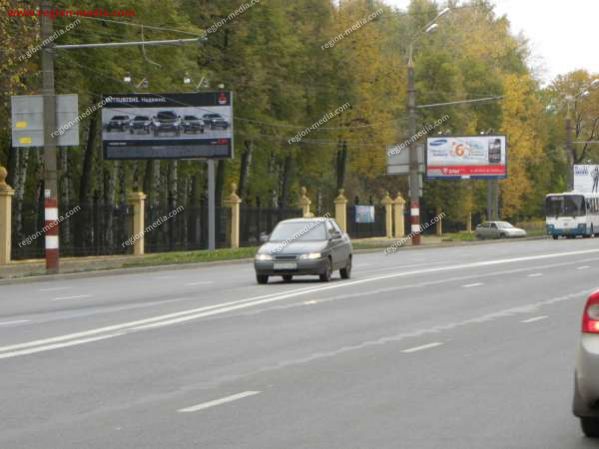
[{"x": 451, "y": 348}]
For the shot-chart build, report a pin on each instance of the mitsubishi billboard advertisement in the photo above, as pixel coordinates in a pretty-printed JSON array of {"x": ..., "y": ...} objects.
[
  {"x": 469, "y": 157},
  {"x": 167, "y": 126}
]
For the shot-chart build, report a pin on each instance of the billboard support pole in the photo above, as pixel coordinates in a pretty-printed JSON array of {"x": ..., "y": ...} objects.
[
  {"x": 50, "y": 176},
  {"x": 492, "y": 199},
  {"x": 211, "y": 205}
]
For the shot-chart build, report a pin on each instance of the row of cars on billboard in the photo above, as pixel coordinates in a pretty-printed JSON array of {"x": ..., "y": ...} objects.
[
  {"x": 168, "y": 126},
  {"x": 166, "y": 122}
]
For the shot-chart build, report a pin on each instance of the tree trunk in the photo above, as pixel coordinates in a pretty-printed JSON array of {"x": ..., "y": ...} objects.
[
  {"x": 21, "y": 169},
  {"x": 285, "y": 181},
  {"x": 11, "y": 165},
  {"x": 65, "y": 194},
  {"x": 244, "y": 171},
  {"x": 110, "y": 176},
  {"x": 147, "y": 183},
  {"x": 220, "y": 183},
  {"x": 88, "y": 159},
  {"x": 156, "y": 187},
  {"x": 341, "y": 165}
]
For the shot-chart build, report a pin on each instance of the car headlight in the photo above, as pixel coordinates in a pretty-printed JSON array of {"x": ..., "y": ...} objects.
[
  {"x": 311, "y": 256},
  {"x": 263, "y": 256}
]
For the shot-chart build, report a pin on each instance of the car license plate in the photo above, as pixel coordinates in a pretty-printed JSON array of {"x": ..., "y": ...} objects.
[{"x": 285, "y": 266}]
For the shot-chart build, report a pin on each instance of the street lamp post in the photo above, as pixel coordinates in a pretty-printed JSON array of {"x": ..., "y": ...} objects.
[
  {"x": 569, "y": 129},
  {"x": 414, "y": 180}
]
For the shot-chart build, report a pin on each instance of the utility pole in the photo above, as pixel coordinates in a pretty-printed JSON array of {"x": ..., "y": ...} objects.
[
  {"x": 50, "y": 177},
  {"x": 414, "y": 181},
  {"x": 569, "y": 148}
]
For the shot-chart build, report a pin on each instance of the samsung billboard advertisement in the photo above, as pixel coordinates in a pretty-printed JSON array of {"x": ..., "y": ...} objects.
[
  {"x": 168, "y": 126},
  {"x": 468, "y": 157}
]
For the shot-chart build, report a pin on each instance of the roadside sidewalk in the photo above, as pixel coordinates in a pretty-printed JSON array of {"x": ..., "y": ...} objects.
[{"x": 76, "y": 267}]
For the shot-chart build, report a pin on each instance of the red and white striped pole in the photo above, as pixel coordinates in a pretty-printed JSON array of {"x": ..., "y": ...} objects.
[
  {"x": 51, "y": 229},
  {"x": 415, "y": 222}
]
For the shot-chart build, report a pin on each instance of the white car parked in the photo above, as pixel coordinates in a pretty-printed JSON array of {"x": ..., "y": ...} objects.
[{"x": 498, "y": 230}]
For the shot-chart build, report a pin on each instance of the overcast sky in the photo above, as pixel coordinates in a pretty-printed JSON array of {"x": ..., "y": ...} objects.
[{"x": 564, "y": 34}]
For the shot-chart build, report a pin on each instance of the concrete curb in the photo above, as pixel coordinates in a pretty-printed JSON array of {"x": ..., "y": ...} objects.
[{"x": 195, "y": 265}]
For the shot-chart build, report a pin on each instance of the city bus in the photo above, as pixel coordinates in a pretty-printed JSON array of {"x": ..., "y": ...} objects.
[{"x": 571, "y": 214}]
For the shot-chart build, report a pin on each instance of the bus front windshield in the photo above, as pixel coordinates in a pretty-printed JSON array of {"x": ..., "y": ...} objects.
[{"x": 565, "y": 206}]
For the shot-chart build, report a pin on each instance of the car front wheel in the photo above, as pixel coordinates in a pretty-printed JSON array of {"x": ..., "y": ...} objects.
[
  {"x": 262, "y": 278},
  {"x": 590, "y": 427},
  {"x": 346, "y": 272},
  {"x": 326, "y": 276},
  {"x": 287, "y": 277}
]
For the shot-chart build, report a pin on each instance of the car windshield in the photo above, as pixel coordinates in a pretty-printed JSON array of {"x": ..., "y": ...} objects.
[
  {"x": 167, "y": 115},
  {"x": 119, "y": 117},
  {"x": 565, "y": 206},
  {"x": 299, "y": 231},
  {"x": 190, "y": 117},
  {"x": 504, "y": 225},
  {"x": 141, "y": 118},
  {"x": 212, "y": 116}
]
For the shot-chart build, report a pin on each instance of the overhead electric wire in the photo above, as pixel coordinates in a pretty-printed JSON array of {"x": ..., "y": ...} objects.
[
  {"x": 141, "y": 25},
  {"x": 273, "y": 125},
  {"x": 279, "y": 138}
]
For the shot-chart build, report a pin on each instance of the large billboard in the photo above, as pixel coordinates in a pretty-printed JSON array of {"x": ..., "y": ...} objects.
[
  {"x": 586, "y": 178},
  {"x": 468, "y": 157},
  {"x": 168, "y": 126}
]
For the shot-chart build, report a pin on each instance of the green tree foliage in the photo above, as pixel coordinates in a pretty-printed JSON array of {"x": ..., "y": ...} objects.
[{"x": 273, "y": 56}]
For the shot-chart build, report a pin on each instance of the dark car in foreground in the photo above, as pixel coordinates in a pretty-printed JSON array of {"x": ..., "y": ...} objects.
[
  {"x": 215, "y": 121},
  {"x": 141, "y": 124},
  {"x": 304, "y": 246},
  {"x": 586, "y": 378},
  {"x": 166, "y": 122},
  {"x": 192, "y": 124},
  {"x": 118, "y": 122}
]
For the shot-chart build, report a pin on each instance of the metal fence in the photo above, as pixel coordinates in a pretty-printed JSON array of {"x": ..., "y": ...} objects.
[
  {"x": 255, "y": 221},
  {"x": 100, "y": 229},
  {"x": 186, "y": 230},
  {"x": 366, "y": 230}
]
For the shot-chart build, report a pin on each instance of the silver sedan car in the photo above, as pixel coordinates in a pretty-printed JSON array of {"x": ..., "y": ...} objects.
[
  {"x": 304, "y": 246},
  {"x": 586, "y": 379},
  {"x": 498, "y": 230}
]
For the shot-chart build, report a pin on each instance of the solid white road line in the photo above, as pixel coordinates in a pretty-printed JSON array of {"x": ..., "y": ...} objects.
[
  {"x": 191, "y": 284},
  {"x": 535, "y": 319},
  {"x": 10, "y": 323},
  {"x": 584, "y": 267},
  {"x": 7, "y": 355},
  {"x": 54, "y": 289},
  {"x": 64, "y": 298},
  {"x": 205, "y": 405},
  {"x": 476, "y": 284},
  {"x": 422, "y": 348},
  {"x": 535, "y": 275},
  {"x": 192, "y": 314}
]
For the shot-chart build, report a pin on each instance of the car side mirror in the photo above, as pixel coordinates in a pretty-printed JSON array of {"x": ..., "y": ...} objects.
[
  {"x": 335, "y": 235},
  {"x": 264, "y": 237}
]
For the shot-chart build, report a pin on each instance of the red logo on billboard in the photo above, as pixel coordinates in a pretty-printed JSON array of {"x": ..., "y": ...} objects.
[{"x": 222, "y": 98}]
